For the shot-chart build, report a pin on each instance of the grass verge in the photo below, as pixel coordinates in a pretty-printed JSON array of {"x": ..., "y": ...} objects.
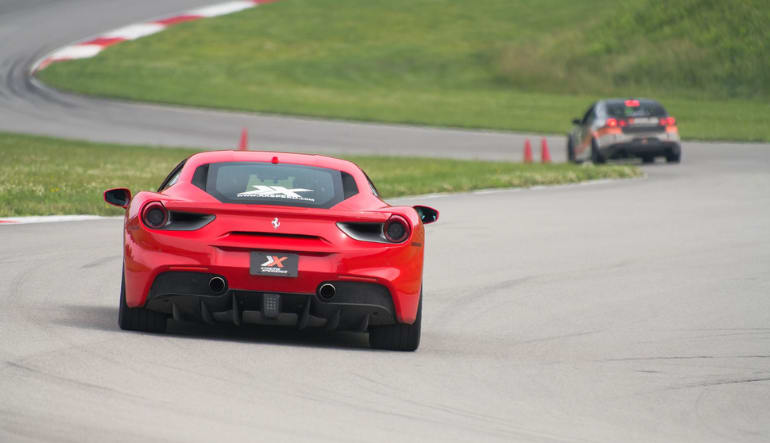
[
  {"x": 45, "y": 176},
  {"x": 502, "y": 64}
]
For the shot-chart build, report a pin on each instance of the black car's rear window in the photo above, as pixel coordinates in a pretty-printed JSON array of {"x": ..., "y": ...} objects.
[
  {"x": 635, "y": 108},
  {"x": 275, "y": 184}
]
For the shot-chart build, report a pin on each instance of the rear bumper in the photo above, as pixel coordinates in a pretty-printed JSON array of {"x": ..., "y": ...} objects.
[
  {"x": 354, "y": 306},
  {"x": 615, "y": 143},
  {"x": 638, "y": 148},
  {"x": 149, "y": 256}
]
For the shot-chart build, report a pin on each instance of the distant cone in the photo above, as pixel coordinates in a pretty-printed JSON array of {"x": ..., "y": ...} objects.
[
  {"x": 545, "y": 155},
  {"x": 243, "y": 145},
  {"x": 527, "y": 151}
]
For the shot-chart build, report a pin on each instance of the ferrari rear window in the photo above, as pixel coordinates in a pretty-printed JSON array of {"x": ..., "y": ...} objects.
[
  {"x": 635, "y": 108},
  {"x": 275, "y": 184}
]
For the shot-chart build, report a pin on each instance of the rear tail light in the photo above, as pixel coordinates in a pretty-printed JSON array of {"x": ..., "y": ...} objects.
[
  {"x": 611, "y": 123},
  {"x": 667, "y": 121},
  {"x": 396, "y": 229},
  {"x": 155, "y": 215}
]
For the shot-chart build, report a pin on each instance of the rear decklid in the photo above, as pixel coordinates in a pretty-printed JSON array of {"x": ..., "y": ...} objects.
[
  {"x": 247, "y": 227},
  {"x": 637, "y": 116}
]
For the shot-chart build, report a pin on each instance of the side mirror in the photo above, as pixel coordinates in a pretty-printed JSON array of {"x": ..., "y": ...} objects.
[
  {"x": 119, "y": 197},
  {"x": 427, "y": 214},
  {"x": 575, "y": 121}
]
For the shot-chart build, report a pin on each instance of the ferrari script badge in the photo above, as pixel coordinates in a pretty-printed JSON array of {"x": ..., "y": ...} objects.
[{"x": 276, "y": 223}]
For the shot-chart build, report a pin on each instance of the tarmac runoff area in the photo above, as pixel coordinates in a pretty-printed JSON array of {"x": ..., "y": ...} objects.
[{"x": 634, "y": 311}]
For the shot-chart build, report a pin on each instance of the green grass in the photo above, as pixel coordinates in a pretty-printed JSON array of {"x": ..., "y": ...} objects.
[
  {"x": 43, "y": 176},
  {"x": 502, "y": 64}
]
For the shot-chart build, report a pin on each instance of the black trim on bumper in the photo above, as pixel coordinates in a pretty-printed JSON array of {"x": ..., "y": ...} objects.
[
  {"x": 354, "y": 307},
  {"x": 638, "y": 149}
]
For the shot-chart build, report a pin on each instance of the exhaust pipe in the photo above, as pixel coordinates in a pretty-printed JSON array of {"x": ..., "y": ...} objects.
[
  {"x": 217, "y": 285},
  {"x": 327, "y": 291}
]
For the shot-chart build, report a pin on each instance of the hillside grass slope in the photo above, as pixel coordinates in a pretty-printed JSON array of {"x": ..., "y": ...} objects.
[{"x": 502, "y": 64}]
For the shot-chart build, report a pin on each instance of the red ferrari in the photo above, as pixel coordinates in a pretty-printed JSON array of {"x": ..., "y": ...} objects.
[{"x": 273, "y": 238}]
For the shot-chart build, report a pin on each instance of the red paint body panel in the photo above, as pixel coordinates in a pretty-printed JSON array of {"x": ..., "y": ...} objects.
[{"x": 223, "y": 246}]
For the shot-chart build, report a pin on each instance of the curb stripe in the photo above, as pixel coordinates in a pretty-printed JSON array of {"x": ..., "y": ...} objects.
[
  {"x": 104, "y": 41},
  {"x": 133, "y": 32},
  {"x": 222, "y": 8},
  {"x": 95, "y": 45},
  {"x": 178, "y": 19}
]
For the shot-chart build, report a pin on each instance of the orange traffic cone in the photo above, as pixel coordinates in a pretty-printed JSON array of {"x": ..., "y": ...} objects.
[
  {"x": 244, "y": 143},
  {"x": 527, "y": 151},
  {"x": 545, "y": 155}
]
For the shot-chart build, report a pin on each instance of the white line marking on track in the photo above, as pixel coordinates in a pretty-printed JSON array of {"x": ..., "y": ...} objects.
[
  {"x": 51, "y": 219},
  {"x": 135, "y": 31},
  {"x": 603, "y": 181},
  {"x": 222, "y": 9},
  {"x": 77, "y": 51}
]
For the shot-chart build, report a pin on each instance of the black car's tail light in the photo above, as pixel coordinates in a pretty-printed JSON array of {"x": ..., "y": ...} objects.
[
  {"x": 155, "y": 215},
  {"x": 615, "y": 122},
  {"x": 396, "y": 229},
  {"x": 667, "y": 121}
]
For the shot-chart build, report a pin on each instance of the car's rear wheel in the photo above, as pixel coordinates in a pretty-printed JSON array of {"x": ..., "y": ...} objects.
[
  {"x": 596, "y": 156},
  {"x": 138, "y": 319},
  {"x": 570, "y": 150},
  {"x": 674, "y": 157},
  {"x": 398, "y": 337}
]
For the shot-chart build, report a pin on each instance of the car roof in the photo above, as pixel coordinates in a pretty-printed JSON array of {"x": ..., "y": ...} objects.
[
  {"x": 320, "y": 161},
  {"x": 623, "y": 100}
]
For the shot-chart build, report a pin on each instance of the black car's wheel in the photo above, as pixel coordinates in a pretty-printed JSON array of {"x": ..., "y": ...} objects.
[
  {"x": 675, "y": 156},
  {"x": 648, "y": 159},
  {"x": 596, "y": 156},
  {"x": 138, "y": 319},
  {"x": 398, "y": 337},
  {"x": 570, "y": 150}
]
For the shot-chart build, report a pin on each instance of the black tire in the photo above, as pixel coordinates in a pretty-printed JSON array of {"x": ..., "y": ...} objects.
[
  {"x": 570, "y": 150},
  {"x": 647, "y": 159},
  {"x": 138, "y": 319},
  {"x": 596, "y": 157},
  {"x": 398, "y": 337},
  {"x": 675, "y": 156}
]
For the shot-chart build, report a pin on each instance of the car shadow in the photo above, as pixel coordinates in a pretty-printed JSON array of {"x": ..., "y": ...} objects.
[{"x": 105, "y": 318}]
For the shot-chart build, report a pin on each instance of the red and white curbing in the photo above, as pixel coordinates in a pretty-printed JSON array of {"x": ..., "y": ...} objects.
[{"x": 91, "y": 47}]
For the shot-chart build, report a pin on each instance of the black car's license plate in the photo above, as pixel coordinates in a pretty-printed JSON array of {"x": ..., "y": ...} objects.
[{"x": 276, "y": 264}]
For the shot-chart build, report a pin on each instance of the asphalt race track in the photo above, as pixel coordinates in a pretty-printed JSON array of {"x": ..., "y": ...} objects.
[
  {"x": 36, "y": 27},
  {"x": 633, "y": 311}
]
